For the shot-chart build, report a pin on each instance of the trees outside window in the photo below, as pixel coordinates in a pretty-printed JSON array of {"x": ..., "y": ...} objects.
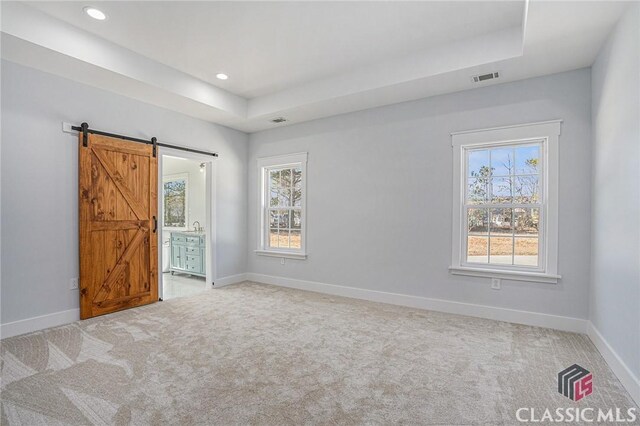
[{"x": 175, "y": 201}]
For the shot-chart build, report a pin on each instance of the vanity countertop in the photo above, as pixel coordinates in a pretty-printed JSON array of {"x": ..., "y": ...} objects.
[{"x": 195, "y": 233}]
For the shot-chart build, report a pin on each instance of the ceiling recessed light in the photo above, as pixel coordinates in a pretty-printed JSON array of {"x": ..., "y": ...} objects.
[
  {"x": 95, "y": 13},
  {"x": 222, "y": 76}
]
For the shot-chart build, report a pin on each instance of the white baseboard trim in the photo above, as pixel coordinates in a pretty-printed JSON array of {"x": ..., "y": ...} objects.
[
  {"x": 231, "y": 279},
  {"x": 575, "y": 325},
  {"x": 630, "y": 382},
  {"x": 28, "y": 325}
]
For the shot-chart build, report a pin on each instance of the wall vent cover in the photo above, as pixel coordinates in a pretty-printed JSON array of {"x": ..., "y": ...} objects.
[
  {"x": 279, "y": 120},
  {"x": 484, "y": 77}
]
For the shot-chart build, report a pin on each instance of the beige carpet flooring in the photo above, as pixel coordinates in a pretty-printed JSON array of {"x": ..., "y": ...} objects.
[{"x": 257, "y": 354}]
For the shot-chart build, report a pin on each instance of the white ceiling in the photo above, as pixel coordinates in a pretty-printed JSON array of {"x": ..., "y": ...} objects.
[
  {"x": 301, "y": 60},
  {"x": 269, "y": 46}
]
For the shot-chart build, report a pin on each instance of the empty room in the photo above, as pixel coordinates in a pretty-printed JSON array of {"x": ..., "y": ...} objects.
[{"x": 320, "y": 212}]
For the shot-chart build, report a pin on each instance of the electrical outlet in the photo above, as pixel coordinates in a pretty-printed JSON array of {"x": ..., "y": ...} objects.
[
  {"x": 496, "y": 283},
  {"x": 282, "y": 261},
  {"x": 74, "y": 284}
]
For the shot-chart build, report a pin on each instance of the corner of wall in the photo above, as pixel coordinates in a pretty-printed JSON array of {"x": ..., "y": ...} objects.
[{"x": 613, "y": 137}]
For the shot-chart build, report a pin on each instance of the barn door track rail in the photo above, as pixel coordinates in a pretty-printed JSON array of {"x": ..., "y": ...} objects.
[{"x": 85, "y": 130}]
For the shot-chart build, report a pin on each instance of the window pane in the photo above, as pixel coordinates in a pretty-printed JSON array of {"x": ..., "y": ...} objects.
[
  {"x": 283, "y": 238},
  {"x": 501, "y": 250},
  {"x": 297, "y": 178},
  {"x": 297, "y": 197},
  {"x": 296, "y": 221},
  {"x": 297, "y": 187},
  {"x": 273, "y": 198},
  {"x": 273, "y": 219},
  {"x": 273, "y": 238},
  {"x": 526, "y": 253},
  {"x": 175, "y": 192},
  {"x": 284, "y": 195},
  {"x": 527, "y": 159},
  {"x": 295, "y": 242},
  {"x": 285, "y": 178},
  {"x": 478, "y": 221},
  {"x": 477, "y": 249},
  {"x": 526, "y": 221},
  {"x": 501, "y": 240},
  {"x": 274, "y": 179},
  {"x": 477, "y": 190},
  {"x": 274, "y": 188},
  {"x": 526, "y": 189},
  {"x": 502, "y": 163},
  {"x": 501, "y": 190},
  {"x": 500, "y": 221},
  {"x": 283, "y": 219},
  {"x": 478, "y": 163}
]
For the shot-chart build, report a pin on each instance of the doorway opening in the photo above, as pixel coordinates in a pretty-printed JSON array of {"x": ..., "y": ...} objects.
[{"x": 187, "y": 233}]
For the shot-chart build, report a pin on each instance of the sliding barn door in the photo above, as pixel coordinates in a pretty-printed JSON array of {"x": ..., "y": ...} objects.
[{"x": 118, "y": 225}]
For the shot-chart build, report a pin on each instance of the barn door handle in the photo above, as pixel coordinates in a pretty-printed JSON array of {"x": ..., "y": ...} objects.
[{"x": 155, "y": 224}]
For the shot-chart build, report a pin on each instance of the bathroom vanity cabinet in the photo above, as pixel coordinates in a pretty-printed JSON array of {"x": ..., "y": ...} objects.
[{"x": 188, "y": 253}]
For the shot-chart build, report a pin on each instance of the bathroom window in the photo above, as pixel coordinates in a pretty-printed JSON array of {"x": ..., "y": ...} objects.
[
  {"x": 175, "y": 201},
  {"x": 282, "y": 206}
]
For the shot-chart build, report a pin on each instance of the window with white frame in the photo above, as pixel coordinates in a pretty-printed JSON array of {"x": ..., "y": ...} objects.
[
  {"x": 505, "y": 202},
  {"x": 282, "y": 205},
  {"x": 175, "y": 201}
]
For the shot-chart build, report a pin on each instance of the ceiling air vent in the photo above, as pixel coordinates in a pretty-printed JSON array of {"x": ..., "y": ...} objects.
[
  {"x": 279, "y": 120},
  {"x": 485, "y": 77}
]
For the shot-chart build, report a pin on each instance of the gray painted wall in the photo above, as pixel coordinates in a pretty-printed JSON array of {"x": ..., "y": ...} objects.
[
  {"x": 380, "y": 194},
  {"x": 40, "y": 187},
  {"x": 615, "y": 247}
]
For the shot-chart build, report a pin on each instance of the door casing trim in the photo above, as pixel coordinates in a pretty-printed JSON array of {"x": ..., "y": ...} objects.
[{"x": 210, "y": 208}]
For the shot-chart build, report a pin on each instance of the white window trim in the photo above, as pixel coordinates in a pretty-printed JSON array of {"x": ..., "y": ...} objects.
[
  {"x": 548, "y": 132},
  {"x": 169, "y": 178},
  {"x": 263, "y": 165}
]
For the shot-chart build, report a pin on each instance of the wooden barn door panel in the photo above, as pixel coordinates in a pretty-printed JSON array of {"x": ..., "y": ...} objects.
[{"x": 118, "y": 221}]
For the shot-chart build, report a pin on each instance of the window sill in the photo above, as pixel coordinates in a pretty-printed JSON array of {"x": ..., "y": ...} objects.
[
  {"x": 507, "y": 275},
  {"x": 285, "y": 254}
]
